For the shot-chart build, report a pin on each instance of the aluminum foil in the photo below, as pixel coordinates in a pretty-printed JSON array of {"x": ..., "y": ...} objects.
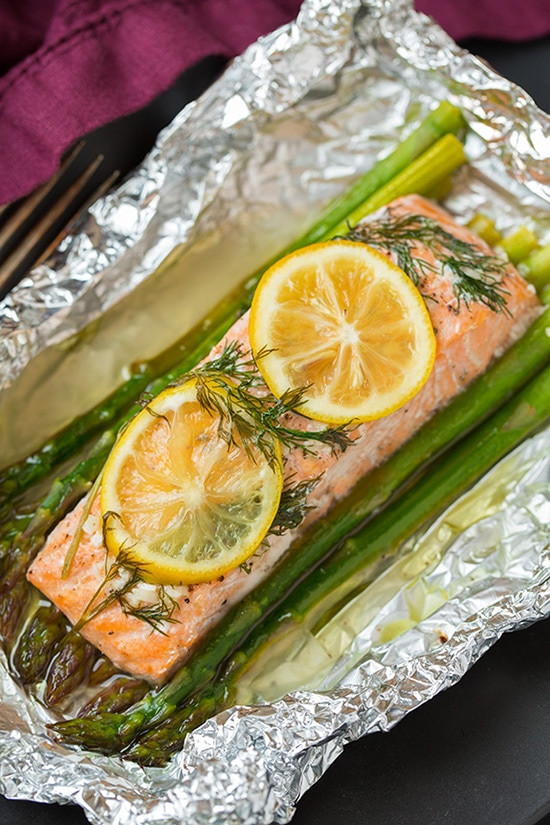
[
  {"x": 287, "y": 127},
  {"x": 284, "y": 130}
]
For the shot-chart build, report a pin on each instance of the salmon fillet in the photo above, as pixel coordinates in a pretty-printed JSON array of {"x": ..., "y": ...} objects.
[{"x": 467, "y": 340}]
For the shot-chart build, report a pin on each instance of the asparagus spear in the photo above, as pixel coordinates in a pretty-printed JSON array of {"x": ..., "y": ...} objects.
[
  {"x": 103, "y": 670},
  {"x": 121, "y": 694},
  {"x": 485, "y": 228},
  {"x": 111, "y": 732},
  {"x": 18, "y": 477},
  {"x": 420, "y": 177},
  {"x": 458, "y": 470},
  {"x": 519, "y": 244},
  {"x": 12, "y": 530},
  {"x": 36, "y": 646},
  {"x": 12, "y": 605},
  {"x": 69, "y": 669},
  {"x": 155, "y": 747},
  {"x": 537, "y": 269}
]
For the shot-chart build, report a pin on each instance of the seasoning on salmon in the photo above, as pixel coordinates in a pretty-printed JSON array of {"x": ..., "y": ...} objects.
[{"x": 469, "y": 334}]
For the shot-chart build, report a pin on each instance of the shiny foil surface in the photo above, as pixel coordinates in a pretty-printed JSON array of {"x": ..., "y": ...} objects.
[{"x": 285, "y": 129}]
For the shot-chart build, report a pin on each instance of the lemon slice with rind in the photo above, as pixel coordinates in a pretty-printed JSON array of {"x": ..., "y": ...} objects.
[
  {"x": 185, "y": 505},
  {"x": 343, "y": 322}
]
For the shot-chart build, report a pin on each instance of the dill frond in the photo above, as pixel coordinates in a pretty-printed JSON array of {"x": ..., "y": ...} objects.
[
  {"x": 153, "y": 614},
  {"x": 231, "y": 388},
  {"x": 293, "y": 505},
  {"x": 475, "y": 275}
]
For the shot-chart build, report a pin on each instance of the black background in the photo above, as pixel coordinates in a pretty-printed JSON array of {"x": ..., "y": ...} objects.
[{"x": 478, "y": 754}]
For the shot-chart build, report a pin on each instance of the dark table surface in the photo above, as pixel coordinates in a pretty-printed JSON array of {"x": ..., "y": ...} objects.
[{"x": 478, "y": 754}]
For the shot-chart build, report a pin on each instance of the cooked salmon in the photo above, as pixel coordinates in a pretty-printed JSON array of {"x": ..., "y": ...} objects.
[{"x": 468, "y": 337}]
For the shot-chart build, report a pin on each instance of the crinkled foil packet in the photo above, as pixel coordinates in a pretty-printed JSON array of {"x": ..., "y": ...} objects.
[{"x": 234, "y": 177}]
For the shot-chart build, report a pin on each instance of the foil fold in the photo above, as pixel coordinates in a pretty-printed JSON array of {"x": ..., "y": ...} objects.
[{"x": 283, "y": 131}]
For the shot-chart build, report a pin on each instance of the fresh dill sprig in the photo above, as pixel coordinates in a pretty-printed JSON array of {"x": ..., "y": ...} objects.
[
  {"x": 231, "y": 388},
  {"x": 293, "y": 505},
  {"x": 124, "y": 561},
  {"x": 153, "y": 614},
  {"x": 475, "y": 275}
]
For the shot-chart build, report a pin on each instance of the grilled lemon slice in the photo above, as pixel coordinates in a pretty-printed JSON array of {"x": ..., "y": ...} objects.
[
  {"x": 343, "y": 322},
  {"x": 186, "y": 506}
]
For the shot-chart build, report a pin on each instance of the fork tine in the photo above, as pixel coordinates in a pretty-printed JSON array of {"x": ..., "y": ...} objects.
[
  {"x": 24, "y": 212},
  {"x": 24, "y": 250}
]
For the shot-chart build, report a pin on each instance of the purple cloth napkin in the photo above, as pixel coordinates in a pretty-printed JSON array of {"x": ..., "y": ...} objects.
[
  {"x": 81, "y": 63},
  {"x": 69, "y": 66}
]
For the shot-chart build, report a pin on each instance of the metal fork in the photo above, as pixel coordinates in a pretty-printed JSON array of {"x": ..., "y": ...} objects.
[{"x": 32, "y": 227}]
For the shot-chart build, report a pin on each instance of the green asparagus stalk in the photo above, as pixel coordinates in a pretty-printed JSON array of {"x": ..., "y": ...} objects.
[
  {"x": 36, "y": 646},
  {"x": 118, "y": 696},
  {"x": 381, "y": 536},
  {"x": 102, "y": 671},
  {"x": 63, "y": 495},
  {"x": 440, "y": 190},
  {"x": 192, "y": 347},
  {"x": 5, "y": 555},
  {"x": 12, "y": 530},
  {"x": 155, "y": 747},
  {"x": 12, "y": 606},
  {"x": 519, "y": 244},
  {"x": 444, "y": 120},
  {"x": 485, "y": 228},
  {"x": 420, "y": 177},
  {"x": 536, "y": 269},
  {"x": 111, "y": 732},
  {"x": 69, "y": 669}
]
